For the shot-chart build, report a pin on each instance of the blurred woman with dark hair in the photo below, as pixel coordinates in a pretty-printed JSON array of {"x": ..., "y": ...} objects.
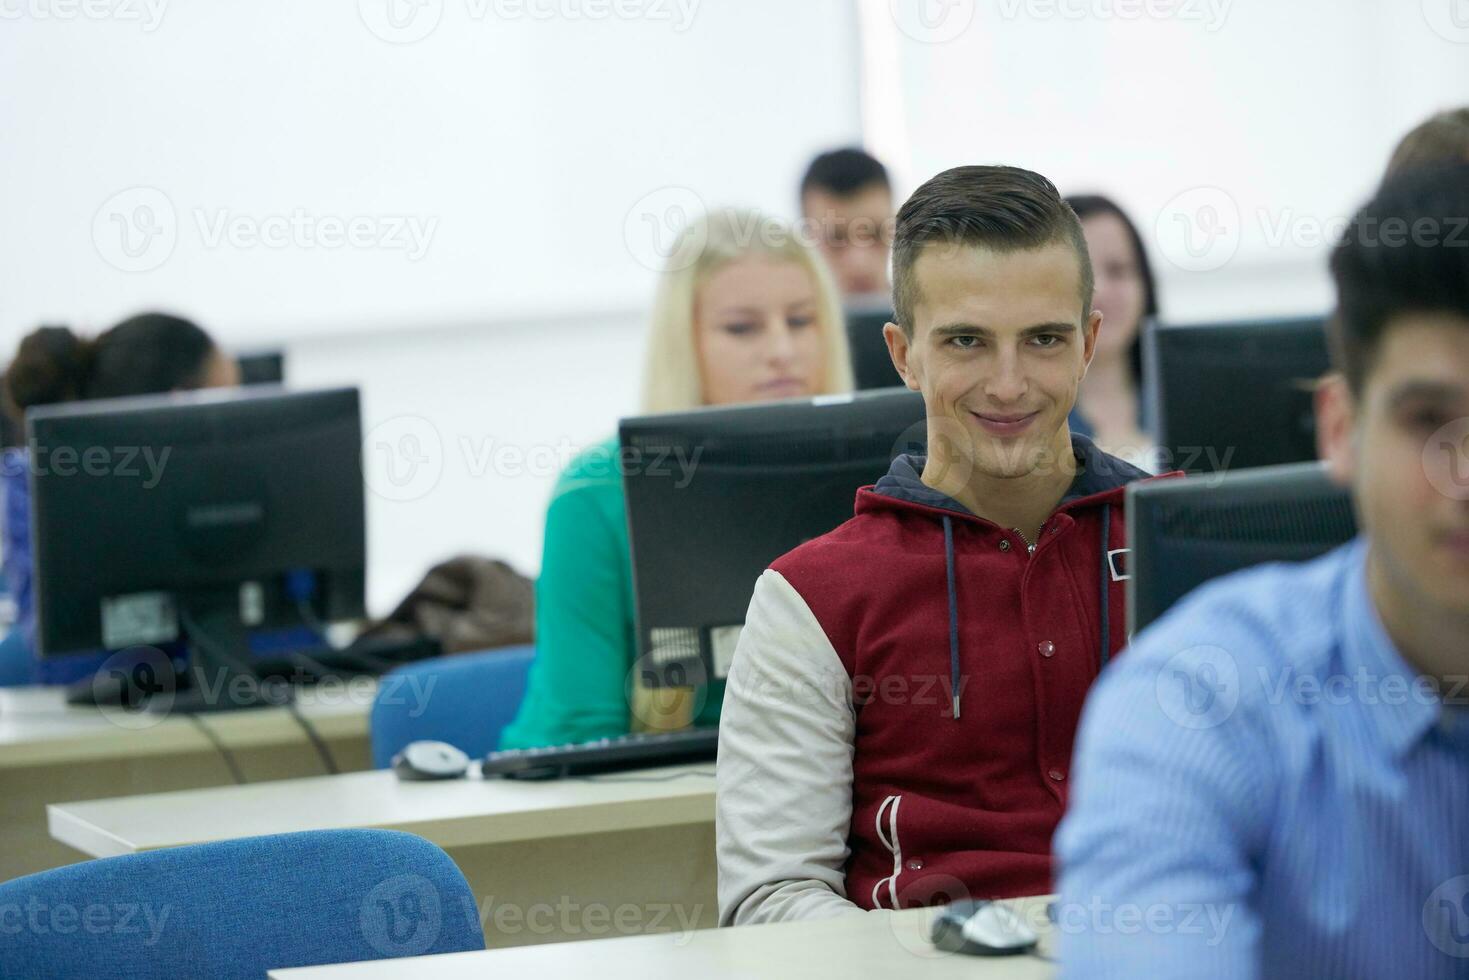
[
  {"x": 1111, "y": 405},
  {"x": 147, "y": 354}
]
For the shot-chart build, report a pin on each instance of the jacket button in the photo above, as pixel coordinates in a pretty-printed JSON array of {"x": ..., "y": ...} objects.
[
  {"x": 1057, "y": 775},
  {"x": 915, "y": 864},
  {"x": 1047, "y": 648},
  {"x": 1004, "y": 544}
]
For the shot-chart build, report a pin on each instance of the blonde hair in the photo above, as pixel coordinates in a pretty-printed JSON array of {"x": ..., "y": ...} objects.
[{"x": 671, "y": 377}]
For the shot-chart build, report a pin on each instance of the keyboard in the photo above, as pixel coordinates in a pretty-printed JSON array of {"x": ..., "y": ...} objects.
[{"x": 618, "y": 754}]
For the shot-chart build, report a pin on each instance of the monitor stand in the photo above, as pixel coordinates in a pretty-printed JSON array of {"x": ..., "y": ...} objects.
[{"x": 219, "y": 677}]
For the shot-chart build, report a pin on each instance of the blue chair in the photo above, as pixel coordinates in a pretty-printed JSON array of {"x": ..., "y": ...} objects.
[
  {"x": 15, "y": 659},
  {"x": 236, "y": 909},
  {"x": 464, "y": 700}
]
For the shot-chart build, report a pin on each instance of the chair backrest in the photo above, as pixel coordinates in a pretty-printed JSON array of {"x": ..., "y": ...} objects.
[
  {"x": 235, "y": 909},
  {"x": 15, "y": 659},
  {"x": 465, "y": 700}
]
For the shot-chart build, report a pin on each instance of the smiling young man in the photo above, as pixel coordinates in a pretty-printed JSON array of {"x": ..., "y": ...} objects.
[
  {"x": 899, "y": 715},
  {"x": 1274, "y": 781}
]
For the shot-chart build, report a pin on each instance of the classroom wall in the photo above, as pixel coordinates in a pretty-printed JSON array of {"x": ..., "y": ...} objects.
[
  {"x": 490, "y": 411},
  {"x": 554, "y": 153},
  {"x": 1238, "y": 133}
]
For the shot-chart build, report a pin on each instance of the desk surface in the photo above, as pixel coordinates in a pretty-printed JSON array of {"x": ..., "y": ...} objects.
[
  {"x": 874, "y": 944},
  {"x": 38, "y": 727},
  {"x": 451, "y": 813}
]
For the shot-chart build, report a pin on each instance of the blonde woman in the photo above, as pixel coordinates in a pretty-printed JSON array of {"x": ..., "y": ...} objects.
[{"x": 745, "y": 312}]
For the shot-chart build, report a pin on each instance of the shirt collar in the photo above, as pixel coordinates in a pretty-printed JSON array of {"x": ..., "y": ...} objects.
[{"x": 1393, "y": 696}]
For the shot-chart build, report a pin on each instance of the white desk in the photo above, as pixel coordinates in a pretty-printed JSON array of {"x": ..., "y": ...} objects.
[
  {"x": 634, "y": 838},
  {"x": 874, "y": 944},
  {"x": 50, "y": 751}
]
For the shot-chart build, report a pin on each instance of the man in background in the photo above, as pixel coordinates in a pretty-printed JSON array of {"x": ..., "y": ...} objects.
[{"x": 847, "y": 201}]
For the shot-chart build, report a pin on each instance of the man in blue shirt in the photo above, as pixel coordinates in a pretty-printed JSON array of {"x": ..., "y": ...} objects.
[{"x": 1274, "y": 780}]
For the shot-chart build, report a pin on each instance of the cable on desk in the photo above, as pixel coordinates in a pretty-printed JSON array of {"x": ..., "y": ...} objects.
[
  {"x": 199, "y": 636},
  {"x": 315, "y": 737},
  {"x": 313, "y": 622},
  {"x": 225, "y": 753},
  {"x": 641, "y": 779}
]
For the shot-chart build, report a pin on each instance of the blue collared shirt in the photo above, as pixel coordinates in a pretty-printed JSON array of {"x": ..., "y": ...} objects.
[{"x": 1265, "y": 788}]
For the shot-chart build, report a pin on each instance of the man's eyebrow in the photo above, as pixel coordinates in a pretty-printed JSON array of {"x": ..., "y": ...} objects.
[
  {"x": 975, "y": 330},
  {"x": 1426, "y": 391}
]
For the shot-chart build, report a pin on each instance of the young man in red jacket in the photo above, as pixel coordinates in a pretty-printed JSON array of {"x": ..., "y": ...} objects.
[{"x": 898, "y": 719}]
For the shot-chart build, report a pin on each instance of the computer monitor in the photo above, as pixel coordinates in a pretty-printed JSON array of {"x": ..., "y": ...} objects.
[
  {"x": 1230, "y": 396},
  {"x": 264, "y": 367},
  {"x": 196, "y": 517},
  {"x": 1185, "y": 531},
  {"x": 714, "y": 496},
  {"x": 872, "y": 366}
]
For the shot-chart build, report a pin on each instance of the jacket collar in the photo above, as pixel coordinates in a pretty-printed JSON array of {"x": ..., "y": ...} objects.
[{"x": 1098, "y": 474}]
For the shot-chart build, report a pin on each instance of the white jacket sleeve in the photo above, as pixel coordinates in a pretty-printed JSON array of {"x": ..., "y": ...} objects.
[{"x": 784, "y": 797}]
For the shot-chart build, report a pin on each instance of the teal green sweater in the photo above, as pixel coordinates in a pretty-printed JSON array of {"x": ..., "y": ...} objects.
[{"x": 586, "y": 643}]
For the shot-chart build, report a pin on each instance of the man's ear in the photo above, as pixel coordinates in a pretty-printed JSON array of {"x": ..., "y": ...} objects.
[
  {"x": 899, "y": 347},
  {"x": 1089, "y": 333},
  {"x": 1336, "y": 428}
]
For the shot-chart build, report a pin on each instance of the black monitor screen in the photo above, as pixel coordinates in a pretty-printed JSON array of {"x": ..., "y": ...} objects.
[
  {"x": 1185, "y": 531},
  {"x": 234, "y": 501},
  {"x": 872, "y": 366},
  {"x": 714, "y": 496},
  {"x": 1235, "y": 395}
]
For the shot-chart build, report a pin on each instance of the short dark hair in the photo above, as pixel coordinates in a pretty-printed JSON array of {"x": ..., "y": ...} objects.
[
  {"x": 844, "y": 172},
  {"x": 1405, "y": 251},
  {"x": 1006, "y": 209},
  {"x": 1441, "y": 138}
]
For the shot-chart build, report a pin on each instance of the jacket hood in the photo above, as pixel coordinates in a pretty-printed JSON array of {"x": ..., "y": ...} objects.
[{"x": 1099, "y": 475}]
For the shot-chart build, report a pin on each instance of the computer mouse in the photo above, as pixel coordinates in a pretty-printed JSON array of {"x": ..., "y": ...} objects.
[
  {"x": 430, "y": 760},
  {"x": 980, "y": 927}
]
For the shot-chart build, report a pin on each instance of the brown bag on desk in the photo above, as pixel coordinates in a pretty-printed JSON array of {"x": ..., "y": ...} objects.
[{"x": 468, "y": 603}]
